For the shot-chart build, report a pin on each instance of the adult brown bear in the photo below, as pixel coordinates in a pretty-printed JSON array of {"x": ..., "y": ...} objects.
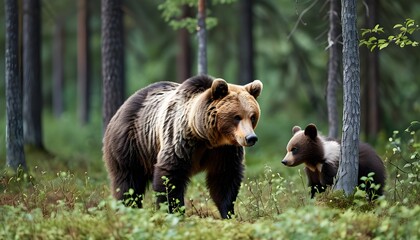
[{"x": 177, "y": 130}]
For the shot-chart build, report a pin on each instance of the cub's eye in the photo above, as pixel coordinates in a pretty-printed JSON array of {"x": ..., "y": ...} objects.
[
  {"x": 294, "y": 150},
  {"x": 237, "y": 118}
]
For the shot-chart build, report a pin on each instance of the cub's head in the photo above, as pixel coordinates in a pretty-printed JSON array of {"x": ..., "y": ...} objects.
[
  {"x": 304, "y": 147},
  {"x": 233, "y": 113}
]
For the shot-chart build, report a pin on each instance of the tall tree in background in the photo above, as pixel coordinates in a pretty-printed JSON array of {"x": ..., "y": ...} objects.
[
  {"x": 372, "y": 80},
  {"x": 183, "y": 58},
  {"x": 58, "y": 66},
  {"x": 32, "y": 84},
  {"x": 15, "y": 155},
  {"x": 112, "y": 58},
  {"x": 349, "y": 161},
  {"x": 333, "y": 67},
  {"x": 202, "y": 37},
  {"x": 83, "y": 62},
  {"x": 246, "y": 42}
]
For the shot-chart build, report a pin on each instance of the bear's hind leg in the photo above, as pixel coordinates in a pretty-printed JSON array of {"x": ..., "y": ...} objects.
[{"x": 130, "y": 186}]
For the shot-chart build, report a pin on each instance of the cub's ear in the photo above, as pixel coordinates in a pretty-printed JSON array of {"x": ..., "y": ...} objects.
[
  {"x": 296, "y": 129},
  {"x": 254, "y": 88},
  {"x": 311, "y": 131},
  {"x": 219, "y": 88}
]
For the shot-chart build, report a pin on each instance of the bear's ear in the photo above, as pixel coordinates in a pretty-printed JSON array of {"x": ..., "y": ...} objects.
[
  {"x": 311, "y": 131},
  {"x": 219, "y": 88},
  {"x": 254, "y": 88},
  {"x": 296, "y": 129}
]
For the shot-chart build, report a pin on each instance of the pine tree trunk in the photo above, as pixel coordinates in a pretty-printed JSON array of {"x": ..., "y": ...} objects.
[
  {"x": 112, "y": 58},
  {"x": 83, "y": 68},
  {"x": 349, "y": 162},
  {"x": 333, "y": 63},
  {"x": 58, "y": 67},
  {"x": 15, "y": 155},
  {"x": 372, "y": 123},
  {"x": 184, "y": 60},
  {"x": 202, "y": 38},
  {"x": 246, "y": 43},
  {"x": 32, "y": 84}
]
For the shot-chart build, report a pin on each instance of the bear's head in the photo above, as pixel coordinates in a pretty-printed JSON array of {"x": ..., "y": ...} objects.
[
  {"x": 304, "y": 147},
  {"x": 230, "y": 114}
]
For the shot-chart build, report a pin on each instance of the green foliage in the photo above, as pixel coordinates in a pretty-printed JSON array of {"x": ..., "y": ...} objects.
[
  {"x": 172, "y": 13},
  {"x": 271, "y": 205},
  {"x": 372, "y": 36},
  {"x": 403, "y": 156}
]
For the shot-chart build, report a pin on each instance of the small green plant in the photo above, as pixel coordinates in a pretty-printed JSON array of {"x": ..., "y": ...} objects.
[
  {"x": 373, "y": 39},
  {"x": 403, "y": 155},
  {"x": 171, "y": 204},
  {"x": 369, "y": 187},
  {"x": 267, "y": 194},
  {"x": 131, "y": 199}
]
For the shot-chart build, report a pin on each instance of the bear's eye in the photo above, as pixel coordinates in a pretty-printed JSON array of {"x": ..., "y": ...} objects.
[
  {"x": 294, "y": 150},
  {"x": 253, "y": 119},
  {"x": 237, "y": 118}
]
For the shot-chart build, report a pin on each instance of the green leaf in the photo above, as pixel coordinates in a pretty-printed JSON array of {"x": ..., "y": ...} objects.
[
  {"x": 373, "y": 47},
  {"x": 382, "y": 46},
  {"x": 398, "y": 25}
]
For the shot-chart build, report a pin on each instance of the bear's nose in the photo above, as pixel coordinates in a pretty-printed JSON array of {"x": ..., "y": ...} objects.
[
  {"x": 251, "y": 139},
  {"x": 284, "y": 162}
]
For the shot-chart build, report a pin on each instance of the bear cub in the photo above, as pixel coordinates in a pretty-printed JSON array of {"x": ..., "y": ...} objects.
[
  {"x": 169, "y": 131},
  {"x": 321, "y": 158}
]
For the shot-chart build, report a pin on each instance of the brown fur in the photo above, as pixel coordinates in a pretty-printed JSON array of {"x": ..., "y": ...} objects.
[
  {"x": 321, "y": 167},
  {"x": 176, "y": 130}
]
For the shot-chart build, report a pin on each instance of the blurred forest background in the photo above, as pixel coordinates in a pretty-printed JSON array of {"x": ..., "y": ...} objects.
[
  {"x": 289, "y": 55},
  {"x": 283, "y": 43}
]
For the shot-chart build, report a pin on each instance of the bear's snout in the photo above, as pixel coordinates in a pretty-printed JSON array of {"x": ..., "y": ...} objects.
[
  {"x": 251, "y": 139},
  {"x": 284, "y": 162}
]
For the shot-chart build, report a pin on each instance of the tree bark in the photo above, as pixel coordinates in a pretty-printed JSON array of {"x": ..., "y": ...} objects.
[
  {"x": 83, "y": 62},
  {"x": 32, "y": 84},
  {"x": 112, "y": 58},
  {"x": 246, "y": 43},
  {"x": 15, "y": 156},
  {"x": 333, "y": 63},
  {"x": 58, "y": 67},
  {"x": 202, "y": 38},
  {"x": 347, "y": 175}
]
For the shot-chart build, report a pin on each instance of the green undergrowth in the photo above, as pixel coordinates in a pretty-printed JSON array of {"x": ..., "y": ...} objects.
[{"x": 65, "y": 195}]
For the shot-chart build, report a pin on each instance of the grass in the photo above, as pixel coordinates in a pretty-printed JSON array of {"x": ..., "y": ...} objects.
[{"x": 66, "y": 196}]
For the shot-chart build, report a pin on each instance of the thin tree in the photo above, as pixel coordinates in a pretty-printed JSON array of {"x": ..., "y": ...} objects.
[
  {"x": 112, "y": 58},
  {"x": 32, "y": 85},
  {"x": 333, "y": 67},
  {"x": 372, "y": 80},
  {"x": 246, "y": 42},
  {"x": 83, "y": 62},
  {"x": 183, "y": 58},
  {"x": 15, "y": 156},
  {"x": 58, "y": 67},
  {"x": 349, "y": 162},
  {"x": 202, "y": 37}
]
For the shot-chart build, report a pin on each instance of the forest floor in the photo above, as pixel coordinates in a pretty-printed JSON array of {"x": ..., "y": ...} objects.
[{"x": 66, "y": 196}]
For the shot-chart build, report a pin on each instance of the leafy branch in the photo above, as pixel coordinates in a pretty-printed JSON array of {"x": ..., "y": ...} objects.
[
  {"x": 173, "y": 14},
  {"x": 400, "y": 39}
]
